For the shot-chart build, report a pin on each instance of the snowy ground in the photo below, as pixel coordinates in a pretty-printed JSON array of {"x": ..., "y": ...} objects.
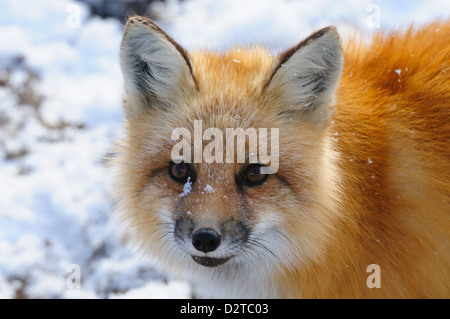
[{"x": 60, "y": 87}]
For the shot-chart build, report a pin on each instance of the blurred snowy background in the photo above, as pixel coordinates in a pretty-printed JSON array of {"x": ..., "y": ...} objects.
[{"x": 60, "y": 92}]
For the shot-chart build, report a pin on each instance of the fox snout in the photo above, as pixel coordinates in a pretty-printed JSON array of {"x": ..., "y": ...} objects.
[
  {"x": 209, "y": 245},
  {"x": 206, "y": 240}
]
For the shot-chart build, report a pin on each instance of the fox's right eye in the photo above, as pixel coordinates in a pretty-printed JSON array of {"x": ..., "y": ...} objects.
[
  {"x": 179, "y": 172},
  {"x": 252, "y": 175}
]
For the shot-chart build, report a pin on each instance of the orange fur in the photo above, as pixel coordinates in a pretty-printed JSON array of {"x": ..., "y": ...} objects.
[
  {"x": 397, "y": 205},
  {"x": 371, "y": 186}
]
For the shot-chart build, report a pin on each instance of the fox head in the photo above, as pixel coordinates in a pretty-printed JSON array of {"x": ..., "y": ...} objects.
[{"x": 225, "y": 218}]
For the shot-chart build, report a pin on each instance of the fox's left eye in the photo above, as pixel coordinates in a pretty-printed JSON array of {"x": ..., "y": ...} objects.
[
  {"x": 252, "y": 175},
  {"x": 179, "y": 172}
]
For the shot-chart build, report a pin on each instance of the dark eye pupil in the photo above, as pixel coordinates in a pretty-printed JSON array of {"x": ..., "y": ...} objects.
[
  {"x": 253, "y": 174},
  {"x": 179, "y": 171}
]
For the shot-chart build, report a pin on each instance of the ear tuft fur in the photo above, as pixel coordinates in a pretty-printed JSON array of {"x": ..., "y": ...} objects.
[
  {"x": 156, "y": 70},
  {"x": 306, "y": 76}
]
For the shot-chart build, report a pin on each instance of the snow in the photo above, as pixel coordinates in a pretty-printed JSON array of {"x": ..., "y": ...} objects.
[
  {"x": 187, "y": 187},
  {"x": 281, "y": 23},
  {"x": 209, "y": 189},
  {"x": 155, "y": 290},
  {"x": 60, "y": 93}
]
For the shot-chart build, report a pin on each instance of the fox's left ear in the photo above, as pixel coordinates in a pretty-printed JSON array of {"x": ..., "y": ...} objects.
[
  {"x": 305, "y": 78},
  {"x": 156, "y": 70}
]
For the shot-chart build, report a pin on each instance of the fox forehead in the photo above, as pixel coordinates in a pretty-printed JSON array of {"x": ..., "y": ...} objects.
[
  {"x": 229, "y": 90},
  {"x": 244, "y": 70},
  {"x": 228, "y": 95}
]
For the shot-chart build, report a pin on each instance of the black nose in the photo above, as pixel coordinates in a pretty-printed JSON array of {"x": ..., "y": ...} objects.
[{"x": 206, "y": 240}]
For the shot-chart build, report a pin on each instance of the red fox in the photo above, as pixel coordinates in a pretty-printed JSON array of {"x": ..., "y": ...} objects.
[{"x": 358, "y": 205}]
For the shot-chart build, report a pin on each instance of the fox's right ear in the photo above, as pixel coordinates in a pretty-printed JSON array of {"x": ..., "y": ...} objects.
[
  {"x": 156, "y": 70},
  {"x": 305, "y": 78}
]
